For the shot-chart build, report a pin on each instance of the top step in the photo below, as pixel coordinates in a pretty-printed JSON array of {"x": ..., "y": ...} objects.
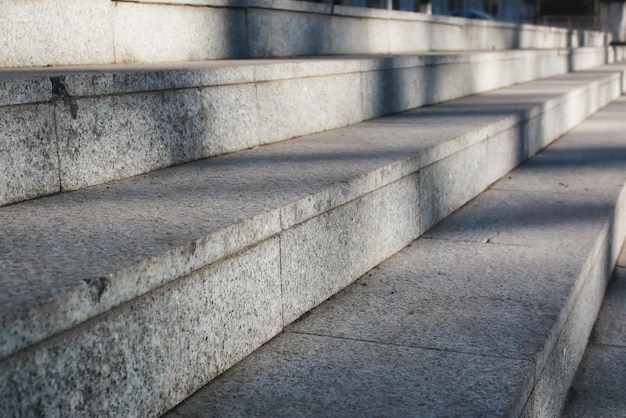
[{"x": 79, "y": 32}]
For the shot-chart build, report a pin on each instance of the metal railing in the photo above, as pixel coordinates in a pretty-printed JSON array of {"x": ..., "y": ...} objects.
[{"x": 571, "y": 22}]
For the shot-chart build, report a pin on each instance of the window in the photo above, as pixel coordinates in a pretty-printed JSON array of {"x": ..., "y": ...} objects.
[
  {"x": 491, "y": 7},
  {"x": 455, "y": 4}
]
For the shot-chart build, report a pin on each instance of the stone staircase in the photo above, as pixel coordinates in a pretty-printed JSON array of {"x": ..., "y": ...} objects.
[
  {"x": 487, "y": 314},
  {"x": 162, "y": 221}
]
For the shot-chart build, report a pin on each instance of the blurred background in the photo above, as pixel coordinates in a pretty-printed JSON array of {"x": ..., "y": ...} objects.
[{"x": 606, "y": 15}]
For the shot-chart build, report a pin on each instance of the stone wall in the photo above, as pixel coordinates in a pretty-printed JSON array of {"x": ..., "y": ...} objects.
[{"x": 79, "y": 32}]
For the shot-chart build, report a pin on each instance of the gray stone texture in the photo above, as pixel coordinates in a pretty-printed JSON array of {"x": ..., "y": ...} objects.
[
  {"x": 162, "y": 33},
  {"x": 325, "y": 254},
  {"x": 610, "y": 328},
  {"x": 556, "y": 376},
  {"x": 132, "y": 120},
  {"x": 68, "y": 258},
  {"x": 56, "y": 32},
  {"x": 315, "y": 174},
  {"x": 573, "y": 168},
  {"x": 488, "y": 302},
  {"x": 104, "y": 31},
  {"x": 137, "y": 234},
  {"x": 308, "y": 375},
  {"x": 148, "y": 355},
  {"x": 598, "y": 389},
  {"x": 395, "y": 90},
  {"x": 337, "y": 203},
  {"x": 281, "y": 33},
  {"x": 472, "y": 288},
  {"x": 156, "y": 130},
  {"x": 24, "y": 90},
  {"x": 28, "y": 153},
  {"x": 448, "y": 184},
  {"x": 358, "y": 35},
  {"x": 297, "y": 107}
]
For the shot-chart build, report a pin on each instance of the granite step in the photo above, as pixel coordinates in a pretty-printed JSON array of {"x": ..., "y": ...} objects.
[
  {"x": 129, "y": 296},
  {"x": 485, "y": 315},
  {"x": 64, "y": 129},
  {"x": 598, "y": 389},
  {"x": 152, "y": 31}
]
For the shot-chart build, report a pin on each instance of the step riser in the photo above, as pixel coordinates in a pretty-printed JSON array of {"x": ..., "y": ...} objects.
[
  {"x": 248, "y": 297},
  {"x": 120, "y": 32},
  {"x": 117, "y": 125}
]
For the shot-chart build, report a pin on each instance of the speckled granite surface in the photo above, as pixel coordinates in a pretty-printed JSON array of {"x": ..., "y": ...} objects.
[
  {"x": 72, "y": 262},
  {"x": 598, "y": 389},
  {"x": 486, "y": 315},
  {"x": 112, "y": 122}
]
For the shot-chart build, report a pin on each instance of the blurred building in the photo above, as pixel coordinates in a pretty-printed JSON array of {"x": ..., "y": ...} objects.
[
  {"x": 605, "y": 15},
  {"x": 521, "y": 11},
  {"x": 612, "y": 16}
]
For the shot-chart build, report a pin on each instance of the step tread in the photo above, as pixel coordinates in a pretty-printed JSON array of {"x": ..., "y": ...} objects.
[
  {"x": 465, "y": 320},
  {"x": 68, "y": 257}
]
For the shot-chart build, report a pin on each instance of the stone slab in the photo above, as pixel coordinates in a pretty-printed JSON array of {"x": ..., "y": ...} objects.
[
  {"x": 610, "y": 328},
  {"x": 559, "y": 369},
  {"x": 167, "y": 31},
  {"x": 325, "y": 254},
  {"x": 28, "y": 153},
  {"x": 157, "y": 130},
  {"x": 31, "y": 28},
  {"x": 148, "y": 355},
  {"x": 175, "y": 115},
  {"x": 598, "y": 387},
  {"x": 305, "y": 375},
  {"x": 281, "y": 33},
  {"x": 297, "y": 107},
  {"x": 539, "y": 305},
  {"x": 593, "y": 151},
  {"x": 529, "y": 219},
  {"x": 154, "y": 228},
  {"x": 590, "y": 164},
  {"x": 598, "y": 390},
  {"x": 25, "y": 91},
  {"x": 162, "y": 33},
  {"x": 134, "y": 235},
  {"x": 450, "y": 183},
  {"x": 359, "y": 34},
  {"x": 490, "y": 303}
]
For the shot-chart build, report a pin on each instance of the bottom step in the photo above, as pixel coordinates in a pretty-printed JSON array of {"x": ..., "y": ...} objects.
[
  {"x": 487, "y": 314},
  {"x": 599, "y": 387}
]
